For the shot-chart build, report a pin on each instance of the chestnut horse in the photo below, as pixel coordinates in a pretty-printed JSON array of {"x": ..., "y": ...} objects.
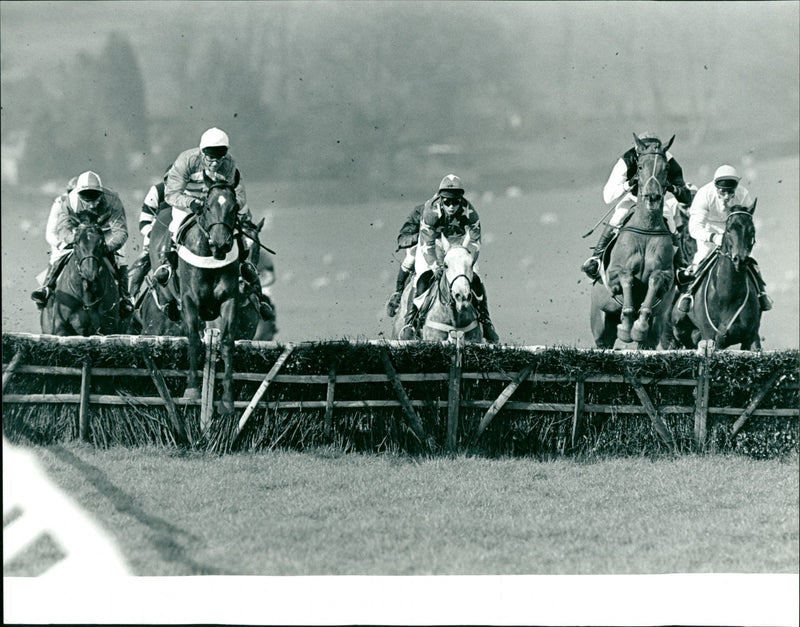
[
  {"x": 725, "y": 310},
  {"x": 86, "y": 297},
  {"x": 640, "y": 263}
]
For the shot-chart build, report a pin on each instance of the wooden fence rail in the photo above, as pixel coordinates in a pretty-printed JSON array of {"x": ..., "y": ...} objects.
[{"x": 455, "y": 403}]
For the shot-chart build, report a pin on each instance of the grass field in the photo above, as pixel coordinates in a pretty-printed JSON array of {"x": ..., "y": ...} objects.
[{"x": 327, "y": 513}]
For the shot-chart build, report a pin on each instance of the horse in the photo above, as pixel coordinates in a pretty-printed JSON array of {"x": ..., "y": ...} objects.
[
  {"x": 451, "y": 315},
  {"x": 639, "y": 263},
  {"x": 206, "y": 283},
  {"x": 249, "y": 324},
  {"x": 158, "y": 306},
  {"x": 725, "y": 310},
  {"x": 86, "y": 297}
]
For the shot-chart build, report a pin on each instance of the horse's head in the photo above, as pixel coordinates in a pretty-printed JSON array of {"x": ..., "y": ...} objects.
[
  {"x": 89, "y": 246},
  {"x": 652, "y": 172},
  {"x": 740, "y": 235},
  {"x": 458, "y": 262},
  {"x": 218, "y": 218}
]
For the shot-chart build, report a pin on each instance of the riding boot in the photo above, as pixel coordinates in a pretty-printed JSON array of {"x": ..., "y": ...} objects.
[
  {"x": 166, "y": 260},
  {"x": 482, "y": 309},
  {"x": 394, "y": 301},
  {"x": 125, "y": 301},
  {"x": 682, "y": 277},
  {"x": 411, "y": 322},
  {"x": 686, "y": 300},
  {"x": 250, "y": 276},
  {"x": 763, "y": 300},
  {"x": 591, "y": 267},
  {"x": 410, "y": 330},
  {"x": 138, "y": 271},
  {"x": 41, "y": 295}
]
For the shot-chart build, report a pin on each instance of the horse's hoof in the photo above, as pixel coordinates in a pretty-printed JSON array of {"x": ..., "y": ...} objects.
[
  {"x": 224, "y": 408},
  {"x": 191, "y": 394},
  {"x": 706, "y": 347},
  {"x": 639, "y": 331},
  {"x": 623, "y": 334}
]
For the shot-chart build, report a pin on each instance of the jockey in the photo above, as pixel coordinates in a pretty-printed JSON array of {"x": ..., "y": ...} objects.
[
  {"x": 407, "y": 239},
  {"x": 185, "y": 191},
  {"x": 447, "y": 214},
  {"x": 105, "y": 206},
  {"x": 622, "y": 187},
  {"x": 707, "y": 217},
  {"x": 152, "y": 204}
]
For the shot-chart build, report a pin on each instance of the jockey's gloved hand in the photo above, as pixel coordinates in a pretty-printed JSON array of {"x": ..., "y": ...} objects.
[
  {"x": 196, "y": 206},
  {"x": 438, "y": 271}
]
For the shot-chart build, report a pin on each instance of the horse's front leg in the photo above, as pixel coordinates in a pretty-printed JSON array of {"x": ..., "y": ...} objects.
[
  {"x": 626, "y": 319},
  {"x": 191, "y": 327},
  {"x": 228, "y": 311},
  {"x": 655, "y": 282}
]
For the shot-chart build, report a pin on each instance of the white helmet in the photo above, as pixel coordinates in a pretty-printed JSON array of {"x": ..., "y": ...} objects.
[
  {"x": 726, "y": 173},
  {"x": 451, "y": 187},
  {"x": 88, "y": 181},
  {"x": 214, "y": 137}
]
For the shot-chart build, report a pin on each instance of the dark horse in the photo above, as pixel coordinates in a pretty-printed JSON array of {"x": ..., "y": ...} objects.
[
  {"x": 249, "y": 324},
  {"x": 206, "y": 281},
  {"x": 451, "y": 315},
  {"x": 725, "y": 310},
  {"x": 640, "y": 263},
  {"x": 158, "y": 310},
  {"x": 86, "y": 297}
]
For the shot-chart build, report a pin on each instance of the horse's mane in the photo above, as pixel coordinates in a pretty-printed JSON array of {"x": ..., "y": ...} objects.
[{"x": 81, "y": 220}]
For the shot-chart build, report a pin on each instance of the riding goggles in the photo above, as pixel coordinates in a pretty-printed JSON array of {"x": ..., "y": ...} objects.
[
  {"x": 90, "y": 195},
  {"x": 215, "y": 153}
]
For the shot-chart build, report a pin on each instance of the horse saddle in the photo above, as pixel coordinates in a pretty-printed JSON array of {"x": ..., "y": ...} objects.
[{"x": 188, "y": 222}]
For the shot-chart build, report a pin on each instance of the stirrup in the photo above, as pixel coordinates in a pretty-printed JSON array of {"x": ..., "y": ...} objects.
[
  {"x": 266, "y": 312},
  {"x": 591, "y": 267},
  {"x": 685, "y": 303},
  {"x": 41, "y": 296},
  {"x": 163, "y": 272}
]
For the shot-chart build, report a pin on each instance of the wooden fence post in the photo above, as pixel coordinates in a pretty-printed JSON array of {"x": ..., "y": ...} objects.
[
  {"x": 408, "y": 409},
  {"x": 498, "y": 403},
  {"x": 454, "y": 398},
  {"x": 658, "y": 423},
  {"x": 577, "y": 414},
  {"x": 163, "y": 392},
  {"x": 751, "y": 407},
  {"x": 83, "y": 410},
  {"x": 701, "y": 404},
  {"x": 329, "y": 401},
  {"x": 211, "y": 340},
  {"x": 273, "y": 372},
  {"x": 11, "y": 367}
]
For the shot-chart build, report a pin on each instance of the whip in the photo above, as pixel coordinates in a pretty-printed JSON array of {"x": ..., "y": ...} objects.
[{"x": 599, "y": 222}]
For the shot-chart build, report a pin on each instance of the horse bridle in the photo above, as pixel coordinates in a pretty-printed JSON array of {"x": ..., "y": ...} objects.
[
  {"x": 726, "y": 253},
  {"x": 206, "y": 228},
  {"x": 656, "y": 153}
]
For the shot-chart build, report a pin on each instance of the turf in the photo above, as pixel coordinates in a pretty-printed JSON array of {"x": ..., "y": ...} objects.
[{"x": 326, "y": 513}]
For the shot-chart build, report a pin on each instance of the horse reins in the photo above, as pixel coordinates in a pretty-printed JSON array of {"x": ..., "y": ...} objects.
[{"x": 735, "y": 315}]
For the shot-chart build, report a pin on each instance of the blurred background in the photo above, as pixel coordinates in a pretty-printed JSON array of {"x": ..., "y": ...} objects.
[{"x": 345, "y": 115}]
